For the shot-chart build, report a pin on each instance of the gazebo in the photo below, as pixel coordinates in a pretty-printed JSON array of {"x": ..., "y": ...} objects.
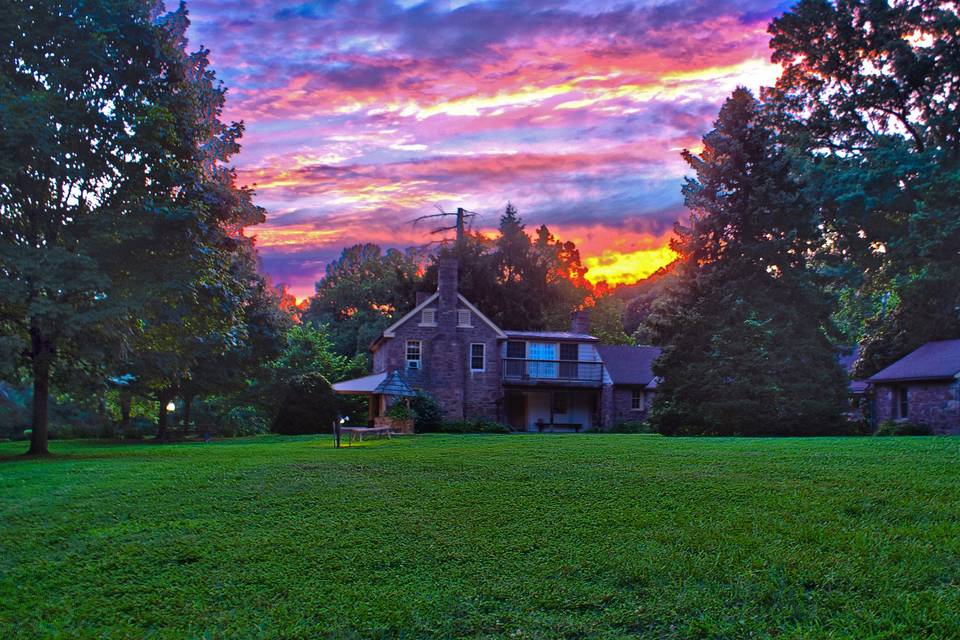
[{"x": 377, "y": 387}]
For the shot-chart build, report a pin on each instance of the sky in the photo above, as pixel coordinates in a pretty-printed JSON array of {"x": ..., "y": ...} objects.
[{"x": 362, "y": 115}]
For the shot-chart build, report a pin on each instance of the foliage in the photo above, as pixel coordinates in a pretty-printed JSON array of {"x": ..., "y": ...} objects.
[
  {"x": 477, "y": 425},
  {"x": 360, "y": 295},
  {"x": 606, "y": 320},
  {"x": 746, "y": 331},
  {"x": 867, "y": 98},
  {"x": 427, "y": 414},
  {"x": 898, "y": 428},
  {"x": 399, "y": 411},
  {"x": 632, "y": 426},
  {"x": 606, "y": 536},
  {"x": 309, "y": 406},
  {"x": 519, "y": 281}
]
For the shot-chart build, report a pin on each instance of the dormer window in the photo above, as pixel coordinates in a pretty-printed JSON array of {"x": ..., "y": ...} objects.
[
  {"x": 428, "y": 318},
  {"x": 463, "y": 318}
]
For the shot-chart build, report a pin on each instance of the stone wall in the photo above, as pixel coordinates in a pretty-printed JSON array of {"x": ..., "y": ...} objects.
[
  {"x": 935, "y": 404},
  {"x": 445, "y": 372},
  {"x": 621, "y": 405}
]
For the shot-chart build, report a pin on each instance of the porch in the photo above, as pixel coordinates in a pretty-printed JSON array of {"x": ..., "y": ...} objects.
[{"x": 554, "y": 409}]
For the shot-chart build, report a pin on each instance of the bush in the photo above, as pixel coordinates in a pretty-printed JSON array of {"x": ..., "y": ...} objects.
[
  {"x": 477, "y": 425},
  {"x": 400, "y": 411},
  {"x": 309, "y": 406},
  {"x": 632, "y": 426},
  {"x": 891, "y": 428},
  {"x": 243, "y": 420},
  {"x": 427, "y": 415}
]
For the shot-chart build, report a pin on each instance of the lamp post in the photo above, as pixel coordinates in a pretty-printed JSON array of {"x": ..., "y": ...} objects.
[{"x": 337, "y": 426}]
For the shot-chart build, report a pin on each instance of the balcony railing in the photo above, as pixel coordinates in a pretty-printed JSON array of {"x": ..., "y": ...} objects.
[{"x": 523, "y": 371}]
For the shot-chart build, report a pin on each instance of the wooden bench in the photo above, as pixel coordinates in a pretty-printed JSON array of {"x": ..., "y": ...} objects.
[{"x": 358, "y": 432}]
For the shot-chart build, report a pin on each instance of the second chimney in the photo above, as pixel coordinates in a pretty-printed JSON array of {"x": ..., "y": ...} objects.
[
  {"x": 447, "y": 283},
  {"x": 580, "y": 322}
]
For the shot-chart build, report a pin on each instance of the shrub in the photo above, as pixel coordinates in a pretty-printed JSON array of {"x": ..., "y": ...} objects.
[
  {"x": 427, "y": 415},
  {"x": 477, "y": 425},
  {"x": 309, "y": 406},
  {"x": 891, "y": 428},
  {"x": 400, "y": 411},
  {"x": 632, "y": 426},
  {"x": 243, "y": 420}
]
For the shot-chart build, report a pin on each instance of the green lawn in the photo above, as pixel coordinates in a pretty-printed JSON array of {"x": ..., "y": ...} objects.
[{"x": 589, "y": 536}]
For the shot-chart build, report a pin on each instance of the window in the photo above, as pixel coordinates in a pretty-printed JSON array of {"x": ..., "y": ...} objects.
[
  {"x": 413, "y": 354},
  {"x": 904, "y": 402},
  {"x": 463, "y": 318},
  {"x": 516, "y": 352},
  {"x": 636, "y": 400},
  {"x": 569, "y": 354},
  {"x": 478, "y": 356},
  {"x": 428, "y": 318}
]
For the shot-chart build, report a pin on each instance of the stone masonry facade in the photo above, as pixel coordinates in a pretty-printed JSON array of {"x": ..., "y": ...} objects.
[
  {"x": 445, "y": 350},
  {"x": 935, "y": 404}
]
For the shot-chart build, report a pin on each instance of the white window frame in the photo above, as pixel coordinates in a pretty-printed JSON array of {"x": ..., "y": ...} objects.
[
  {"x": 406, "y": 354},
  {"x": 483, "y": 356},
  {"x": 461, "y": 314},
  {"x": 636, "y": 398},
  {"x": 428, "y": 318}
]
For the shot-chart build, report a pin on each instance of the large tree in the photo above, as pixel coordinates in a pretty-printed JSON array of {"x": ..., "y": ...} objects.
[
  {"x": 869, "y": 96},
  {"x": 360, "y": 295},
  {"x": 95, "y": 110},
  {"x": 746, "y": 331}
]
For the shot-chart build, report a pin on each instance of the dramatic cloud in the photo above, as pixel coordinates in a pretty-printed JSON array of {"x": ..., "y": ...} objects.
[{"x": 362, "y": 114}]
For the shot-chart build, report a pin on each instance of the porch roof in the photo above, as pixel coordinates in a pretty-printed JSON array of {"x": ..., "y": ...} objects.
[{"x": 365, "y": 385}]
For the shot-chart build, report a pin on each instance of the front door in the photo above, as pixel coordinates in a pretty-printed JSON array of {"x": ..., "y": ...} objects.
[{"x": 515, "y": 406}]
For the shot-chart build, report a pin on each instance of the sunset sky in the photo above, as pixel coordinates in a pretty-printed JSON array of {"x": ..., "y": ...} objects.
[{"x": 362, "y": 115}]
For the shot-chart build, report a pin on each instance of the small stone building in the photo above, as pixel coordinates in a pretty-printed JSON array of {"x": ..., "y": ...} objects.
[
  {"x": 923, "y": 387},
  {"x": 531, "y": 380},
  {"x": 629, "y": 383}
]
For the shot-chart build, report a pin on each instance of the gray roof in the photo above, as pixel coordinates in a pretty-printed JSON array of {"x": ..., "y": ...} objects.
[
  {"x": 551, "y": 335},
  {"x": 395, "y": 386},
  {"x": 933, "y": 361},
  {"x": 629, "y": 365}
]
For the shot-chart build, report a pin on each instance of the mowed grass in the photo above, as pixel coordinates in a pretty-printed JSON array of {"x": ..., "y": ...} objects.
[{"x": 589, "y": 536}]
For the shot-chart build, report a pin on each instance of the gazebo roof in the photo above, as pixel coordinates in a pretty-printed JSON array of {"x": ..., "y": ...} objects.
[{"x": 395, "y": 386}]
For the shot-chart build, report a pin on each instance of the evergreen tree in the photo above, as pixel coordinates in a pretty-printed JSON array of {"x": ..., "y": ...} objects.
[{"x": 745, "y": 330}]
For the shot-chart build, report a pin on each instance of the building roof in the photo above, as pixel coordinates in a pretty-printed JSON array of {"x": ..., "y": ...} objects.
[
  {"x": 552, "y": 335},
  {"x": 629, "y": 365},
  {"x": 366, "y": 384},
  {"x": 933, "y": 361},
  {"x": 395, "y": 386}
]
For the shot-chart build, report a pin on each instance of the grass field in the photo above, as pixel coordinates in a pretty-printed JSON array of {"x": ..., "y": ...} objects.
[{"x": 587, "y": 536}]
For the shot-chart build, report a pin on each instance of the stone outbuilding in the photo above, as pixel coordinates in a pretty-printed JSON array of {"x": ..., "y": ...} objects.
[{"x": 923, "y": 387}]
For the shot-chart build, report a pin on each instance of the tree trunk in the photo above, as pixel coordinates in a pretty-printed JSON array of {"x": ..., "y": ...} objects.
[
  {"x": 187, "y": 400},
  {"x": 126, "y": 399},
  {"x": 164, "y": 397},
  {"x": 41, "y": 354}
]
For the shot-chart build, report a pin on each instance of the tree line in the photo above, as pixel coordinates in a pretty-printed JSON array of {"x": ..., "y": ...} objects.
[{"x": 823, "y": 213}]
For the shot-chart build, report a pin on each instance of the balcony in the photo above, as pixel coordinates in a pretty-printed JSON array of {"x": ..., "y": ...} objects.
[{"x": 563, "y": 373}]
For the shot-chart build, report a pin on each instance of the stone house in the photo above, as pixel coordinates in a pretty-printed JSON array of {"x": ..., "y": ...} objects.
[
  {"x": 923, "y": 387},
  {"x": 531, "y": 380}
]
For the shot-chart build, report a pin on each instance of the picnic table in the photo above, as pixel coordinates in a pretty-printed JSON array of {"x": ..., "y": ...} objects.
[{"x": 359, "y": 432}]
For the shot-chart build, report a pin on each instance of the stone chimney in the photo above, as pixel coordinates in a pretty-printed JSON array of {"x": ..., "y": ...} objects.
[
  {"x": 421, "y": 296},
  {"x": 447, "y": 282},
  {"x": 580, "y": 322}
]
